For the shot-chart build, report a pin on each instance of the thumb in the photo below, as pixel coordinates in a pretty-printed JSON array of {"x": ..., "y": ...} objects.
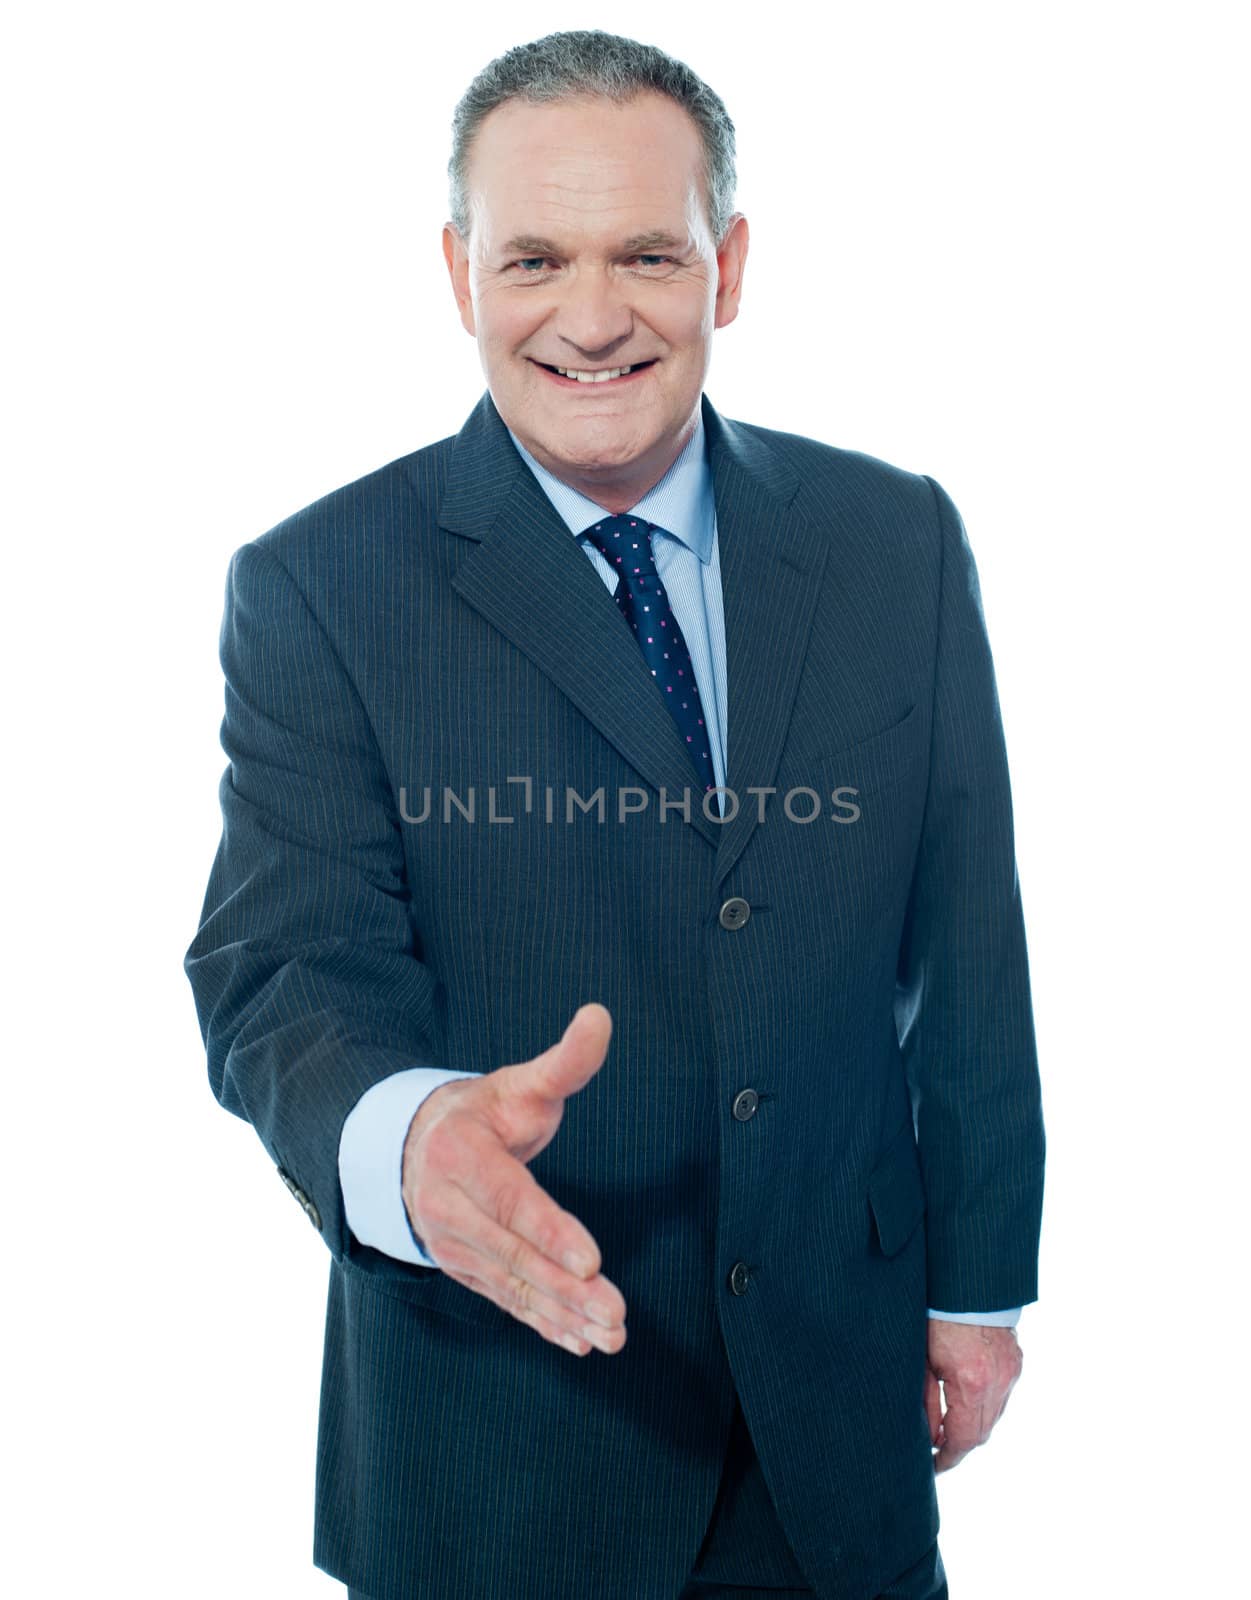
[{"x": 575, "y": 1057}]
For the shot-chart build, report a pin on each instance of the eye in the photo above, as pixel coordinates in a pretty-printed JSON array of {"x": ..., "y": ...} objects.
[{"x": 524, "y": 262}]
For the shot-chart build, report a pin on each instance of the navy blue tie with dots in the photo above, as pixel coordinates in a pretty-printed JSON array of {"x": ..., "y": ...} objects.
[{"x": 641, "y": 599}]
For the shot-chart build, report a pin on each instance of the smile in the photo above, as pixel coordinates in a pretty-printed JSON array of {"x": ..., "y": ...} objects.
[{"x": 610, "y": 377}]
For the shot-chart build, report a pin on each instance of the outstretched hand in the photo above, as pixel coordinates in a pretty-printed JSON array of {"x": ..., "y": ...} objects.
[
  {"x": 978, "y": 1366},
  {"x": 482, "y": 1216}
]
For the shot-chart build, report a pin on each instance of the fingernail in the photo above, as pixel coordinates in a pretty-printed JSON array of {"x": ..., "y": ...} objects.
[{"x": 577, "y": 1262}]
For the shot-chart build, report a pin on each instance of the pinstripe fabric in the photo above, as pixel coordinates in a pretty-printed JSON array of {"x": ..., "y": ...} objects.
[{"x": 876, "y": 999}]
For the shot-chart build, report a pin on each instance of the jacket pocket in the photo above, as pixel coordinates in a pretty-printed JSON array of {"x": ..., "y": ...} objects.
[
  {"x": 428, "y": 1288},
  {"x": 897, "y": 1192},
  {"x": 869, "y": 745}
]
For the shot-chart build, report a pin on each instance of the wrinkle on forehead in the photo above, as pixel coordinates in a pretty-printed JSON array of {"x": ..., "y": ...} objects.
[{"x": 538, "y": 167}]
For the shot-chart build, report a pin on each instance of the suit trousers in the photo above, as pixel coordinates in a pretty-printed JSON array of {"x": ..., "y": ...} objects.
[{"x": 745, "y": 1554}]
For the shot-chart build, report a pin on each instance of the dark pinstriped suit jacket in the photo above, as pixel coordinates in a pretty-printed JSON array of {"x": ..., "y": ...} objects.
[{"x": 434, "y": 624}]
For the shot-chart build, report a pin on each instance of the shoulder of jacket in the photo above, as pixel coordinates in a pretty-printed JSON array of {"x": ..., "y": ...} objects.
[
  {"x": 393, "y": 499},
  {"x": 837, "y": 475}
]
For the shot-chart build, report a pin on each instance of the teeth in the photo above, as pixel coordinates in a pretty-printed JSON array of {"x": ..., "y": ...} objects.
[{"x": 594, "y": 377}]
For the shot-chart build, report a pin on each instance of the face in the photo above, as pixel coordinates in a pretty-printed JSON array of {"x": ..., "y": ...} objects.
[{"x": 589, "y": 249}]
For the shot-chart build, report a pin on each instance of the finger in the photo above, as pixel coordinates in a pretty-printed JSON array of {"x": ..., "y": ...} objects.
[
  {"x": 970, "y": 1426},
  {"x": 955, "y": 1443},
  {"x": 553, "y": 1332},
  {"x": 579, "y": 1337},
  {"x": 965, "y": 1422},
  {"x": 513, "y": 1202},
  {"x": 948, "y": 1457},
  {"x": 509, "y": 1259},
  {"x": 521, "y": 1279}
]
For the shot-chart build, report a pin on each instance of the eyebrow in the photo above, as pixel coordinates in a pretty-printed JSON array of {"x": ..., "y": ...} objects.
[{"x": 532, "y": 244}]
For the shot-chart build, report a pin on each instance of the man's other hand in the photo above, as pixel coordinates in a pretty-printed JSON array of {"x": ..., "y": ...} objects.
[
  {"x": 978, "y": 1366},
  {"x": 483, "y": 1217}
]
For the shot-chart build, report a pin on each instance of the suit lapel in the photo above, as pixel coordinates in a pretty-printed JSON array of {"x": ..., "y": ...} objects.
[
  {"x": 531, "y": 581},
  {"x": 772, "y": 564}
]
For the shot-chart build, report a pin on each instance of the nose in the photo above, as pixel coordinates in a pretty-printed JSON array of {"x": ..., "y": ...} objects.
[{"x": 593, "y": 318}]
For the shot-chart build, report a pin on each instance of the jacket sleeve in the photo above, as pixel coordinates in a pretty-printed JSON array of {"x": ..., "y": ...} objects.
[
  {"x": 962, "y": 1004},
  {"x": 306, "y": 978}
]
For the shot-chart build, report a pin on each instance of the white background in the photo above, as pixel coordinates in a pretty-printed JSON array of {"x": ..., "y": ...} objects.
[{"x": 999, "y": 244}]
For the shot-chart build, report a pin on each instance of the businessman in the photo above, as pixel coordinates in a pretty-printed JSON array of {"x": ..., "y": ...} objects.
[{"x": 616, "y": 919}]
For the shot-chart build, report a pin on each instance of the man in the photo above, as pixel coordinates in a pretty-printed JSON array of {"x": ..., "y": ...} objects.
[{"x": 512, "y": 958}]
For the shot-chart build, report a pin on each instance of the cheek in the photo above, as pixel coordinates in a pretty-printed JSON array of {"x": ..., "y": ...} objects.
[
  {"x": 504, "y": 326},
  {"x": 686, "y": 338}
]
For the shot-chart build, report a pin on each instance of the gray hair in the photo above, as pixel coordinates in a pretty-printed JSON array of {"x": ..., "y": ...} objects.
[{"x": 586, "y": 61}]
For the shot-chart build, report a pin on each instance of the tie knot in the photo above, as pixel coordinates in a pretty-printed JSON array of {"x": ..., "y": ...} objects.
[{"x": 626, "y": 542}]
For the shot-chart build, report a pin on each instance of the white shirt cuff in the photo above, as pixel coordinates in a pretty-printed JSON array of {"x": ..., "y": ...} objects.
[
  {"x": 371, "y": 1160},
  {"x": 991, "y": 1319}
]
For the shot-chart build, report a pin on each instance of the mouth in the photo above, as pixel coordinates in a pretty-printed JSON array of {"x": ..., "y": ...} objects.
[{"x": 592, "y": 383}]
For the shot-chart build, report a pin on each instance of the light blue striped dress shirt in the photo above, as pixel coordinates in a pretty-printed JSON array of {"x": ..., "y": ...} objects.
[{"x": 371, "y": 1146}]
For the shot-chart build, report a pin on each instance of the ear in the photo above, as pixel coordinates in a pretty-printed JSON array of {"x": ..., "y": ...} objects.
[
  {"x": 456, "y": 254},
  {"x": 731, "y": 260}
]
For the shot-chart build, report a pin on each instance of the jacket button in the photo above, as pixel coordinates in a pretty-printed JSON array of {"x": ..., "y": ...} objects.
[
  {"x": 738, "y": 1278},
  {"x": 745, "y": 1103},
  {"x": 307, "y": 1205},
  {"x": 734, "y": 913}
]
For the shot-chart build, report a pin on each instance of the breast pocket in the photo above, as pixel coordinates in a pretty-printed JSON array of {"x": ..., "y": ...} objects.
[
  {"x": 892, "y": 747},
  {"x": 866, "y": 799}
]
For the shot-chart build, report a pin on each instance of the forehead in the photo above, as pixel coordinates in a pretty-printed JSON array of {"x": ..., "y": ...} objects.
[{"x": 585, "y": 168}]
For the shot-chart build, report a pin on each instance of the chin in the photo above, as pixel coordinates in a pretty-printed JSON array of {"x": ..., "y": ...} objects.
[{"x": 615, "y": 440}]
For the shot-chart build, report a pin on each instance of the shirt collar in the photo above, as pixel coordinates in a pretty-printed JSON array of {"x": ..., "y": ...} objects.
[{"x": 681, "y": 503}]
